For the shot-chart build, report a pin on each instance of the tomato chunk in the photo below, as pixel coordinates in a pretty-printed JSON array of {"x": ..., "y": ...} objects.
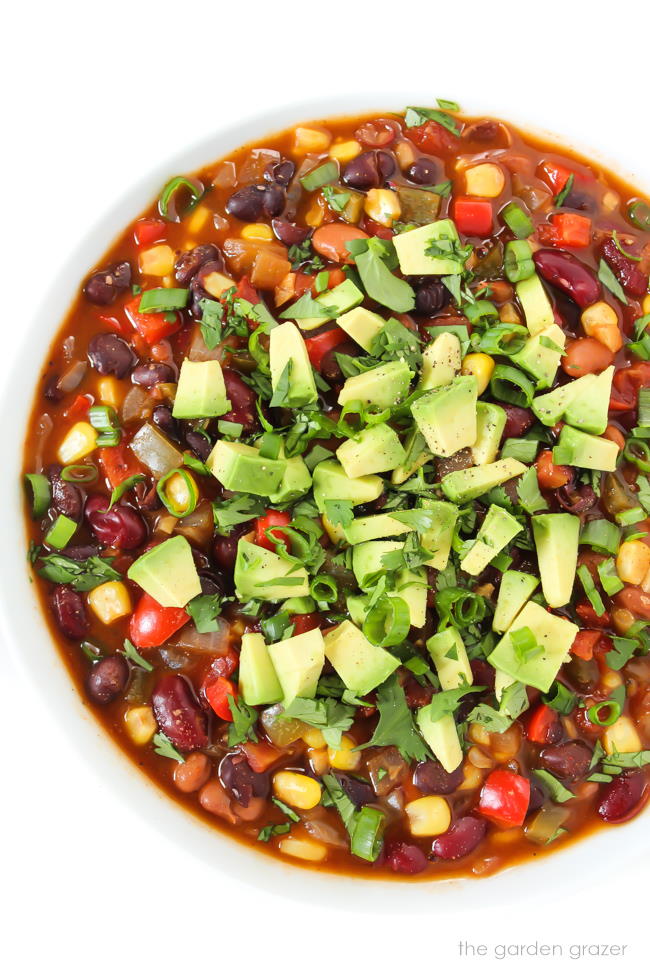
[
  {"x": 472, "y": 217},
  {"x": 504, "y": 798},
  {"x": 541, "y": 723},
  {"x": 550, "y": 475},
  {"x": 585, "y": 643},
  {"x": 272, "y": 519},
  {"x": 148, "y": 231},
  {"x": 217, "y": 694},
  {"x": 152, "y": 624},
  {"x": 118, "y": 463},
  {"x": 260, "y": 754},
  {"x": 152, "y": 326},
  {"x": 566, "y": 230},
  {"x": 320, "y": 345}
]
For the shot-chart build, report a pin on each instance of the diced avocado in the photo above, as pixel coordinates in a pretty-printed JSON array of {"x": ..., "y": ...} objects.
[
  {"x": 382, "y": 386},
  {"x": 556, "y": 541},
  {"x": 441, "y": 361},
  {"x": 357, "y": 608},
  {"x": 340, "y": 299},
  {"x": 515, "y": 590},
  {"x": 334, "y": 529},
  {"x": 331, "y": 483},
  {"x": 538, "y": 311},
  {"x": 584, "y": 450},
  {"x": 240, "y": 467},
  {"x": 588, "y": 410},
  {"x": 367, "y": 559},
  {"x": 167, "y": 572},
  {"x": 442, "y": 738},
  {"x": 554, "y": 634},
  {"x": 417, "y": 455},
  {"x": 375, "y": 526},
  {"x": 550, "y": 407},
  {"x": 360, "y": 665},
  {"x": 375, "y": 449},
  {"x": 411, "y": 249},
  {"x": 262, "y": 574},
  {"x": 450, "y": 658},
  {"x": 361, "y": 325},
  {"x": 258, "y": 681},
  {"x": 298, "y": 664},
  {"x": 462, "y": 486},
  {"x": 542, "y": 360},
  {"x": 441, "y": 535},
  {"x": 418, "y": 206},
  {"x": 490, "y": 424},
  {"x": 296, "y": 480},
  {"x": 201, "y": 391},
  {"x": 497, "y": 530},
  {"x": 501, "y": 682},
  {"x": 298, "y": 604},
  {"x": 446, "y": 417},
  {"x": 290, "y": 363},
  {"x": 410, "y": 585}
]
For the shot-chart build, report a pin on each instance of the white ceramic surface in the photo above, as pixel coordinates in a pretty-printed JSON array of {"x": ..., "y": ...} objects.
[{"x": 25, "y": 634}]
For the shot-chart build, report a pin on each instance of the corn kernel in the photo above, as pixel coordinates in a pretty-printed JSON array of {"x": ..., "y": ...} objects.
[
  {"x": 313, "y": 737},
  {"x": 215, "y": 284},
  {"x": 633, "y": 561},
  {"x": 382, "y": 206},
  {"x": 472, "y": 778},
  {"x": 478, "y": 758},
  {"x": 109, "y": 392},
  {"x": 140, "y": 725},
  {"x": 405, "y": 152},
  {"x": 79, "y": 441},
  {"x": 622, "y": 619},
  {"x": 257, "y": 231},
  {"x": 486, "y": 179},
  {"x": 599, "y": 313},
  {"x": 309, "y": 139},
  {"x": 479, "y": 734},
  {"x": 622, "y": 736},
  {"x": 297, "y": 790},
  {"x": 157, "y": 261},
  {"x": 343, "y": 152},
  {"x": 611, "y": 200},
  {"x": 481, "y": 365},
  {"x": 198, "y": 219},
  {"x": 646, "y": 305},
  {"x": 315, "y": 215},
  {"x": 610, "y": 680},
  {"x": 343, "y": 757},
  {"x": 303, "y": 849},
  {"x": 428, "y": 816},
  {"x": 110, "y": 601},
  {"x": 179, "y": 493},
  {"x": 509, "y": 314}
]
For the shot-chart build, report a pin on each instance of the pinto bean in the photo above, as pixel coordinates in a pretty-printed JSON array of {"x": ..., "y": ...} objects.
[
  {"x": 584, "y": 356},
  {"x": 107, "y": 678},
  {"x": 331, "y": 239},
  {"x": 193, "y": 773},
  {"x": 69, "y": 612},
  {"x": 214, "y": 799},
  {"x": 178, "y": 713}
]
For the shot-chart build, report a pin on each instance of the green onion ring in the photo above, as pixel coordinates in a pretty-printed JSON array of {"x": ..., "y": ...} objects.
[
  {"x": 41, "y": 494},
  {"x": 388, "y": 622},
  {"x": 189, "y": 483},
  {"x": 612, "y": 714},
  {"x": 167, "y": 204},
  {"x": 642, "y": 459},
  {"x": 80, "y": 473},
  {"x": 505, "y": 377}
]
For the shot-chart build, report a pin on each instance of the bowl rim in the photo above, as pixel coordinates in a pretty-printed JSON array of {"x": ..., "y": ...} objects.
[{"x": 24, "y": 630}]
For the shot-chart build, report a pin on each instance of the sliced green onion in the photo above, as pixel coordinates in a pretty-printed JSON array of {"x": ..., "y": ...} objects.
[
  {"x": 480, "y": 310},
  {"x": 524, "y": 643},
  {"x": 167, "y": 202},
  {"x": 511, "y": 386},
  {"x": 326, "y": 173},
  {"x": 270, "y": 445},
  {"x": 602, "y": 536},
  {"x": 612, "y": 713},
  {"x": 644, "y": 407},
  {"x": 639, "y": 213},
  {"x": 229, "y": 429},
  {"x": 61, "y": 532},
  {"x": 193, "y": 496},
  {"x": 638, "y": 452},
  {"x": 388, "y": 622},
  {"x": 607, "y": 277},
  {"x": 324, "y": 589},
  {"x": 41, "y": 494},
  {"x": 132, "y": 654},
  {"x": 195, "y": 465},
  {"x": 507, "y": 339},
  {"x": 90, "y": 650},
  {"x": 609, "y": 577},
  {"x": 366, "y": 837},
  {"x": 560, "y": 698},
  {"x": 104, "y": 419},
  {"x": 163, "y": 299},
  {"x": 518, "y": 261},
  {"x": 321, "y": 281},
  {"x": 122, "y": 488},
  {"x": 519, "y": 222},
  {"x": 631, "y": 516},
  {"x": 643, "y": 433},
  {"x": 592, "y": 594},
  {"x": 80, "y": 473},
  {"x": 564, "y": 192},
  {"x": 520, "y": 449}
]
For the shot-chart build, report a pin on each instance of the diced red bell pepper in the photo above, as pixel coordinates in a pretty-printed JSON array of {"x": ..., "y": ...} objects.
[
  {"x": 626, "y": 385},
  {"x": 540, "y": 724},
  {"x": 555, "y": 175},
  {"x": 246, "y": 291},
  {"x": 260, "y": 755},
  {"x": 566, "y": 230},
  {"x": 118, "y": 463},
  {"x": 271, "y": 519},
  {"x": 152, "y": 326},
  {"x": 585, "y": 643},
  {"x": 303, "y": 622},
  {"x": 588, "y": 615},
  {"x": 320, "y": 345},
  {"x": 217, "y": 694},
  {"x": 80, "y": 405},
  {"x": 504, "y": 798},
  {"x": 152, "y": 624},
  {"x": 148, "y": 231},
  {"x": 472, "y": 217}
]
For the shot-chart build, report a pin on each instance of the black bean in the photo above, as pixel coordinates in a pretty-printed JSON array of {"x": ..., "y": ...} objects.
[
  {"x": 162, "y": 417},
  {"x": 363, "y": 172},
  {"x": 423, "y": 171},
  {"x": 274, "y": 200},
  {"x": 149, "y": 374},
  {"x": 51, "y": 389},
  {"x": 431, "y": 779},
  {"x": 107, "y": 678},
  {"x": 289, "y": 233},
  {"x": 357, "y": 790},
  {"x": 103, "y": 287},
  {"x": 247, "y": 203},
  {"x": 189, "y": 262},
  {"x": 198, "y": 444},
  {"x": 197, "y": 295},
  {"x": 431, "y": 297},
  {"x": 281, "y": 173},
  {"x": 110, "y": 355},
  {"x": 241, "y": 781}
]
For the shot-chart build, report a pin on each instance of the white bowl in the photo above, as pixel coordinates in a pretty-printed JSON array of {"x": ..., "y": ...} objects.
[{"x": 26, "y": 634}]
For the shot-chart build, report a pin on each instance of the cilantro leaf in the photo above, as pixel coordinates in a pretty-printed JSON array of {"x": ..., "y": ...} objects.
[
  {"x": 379, "y": 282},
  {"x": 557, "y": 791},
  {"x": 205, "y": 611},
  {"x": 514, "y": 701},
  {"x": 277, "y": 829},
  {"x": 606, "y": 277},
  {"x": 530, "y": 497},
  {"x": 418, "y": 116},
  {"x": 337, "y": 200},
  {"x": 235, "y": 511},
  {"x": 307, "y": 307},
  {"x": 163, "y": 746},
  {"x": 244, "y": 718},
  {"x": 339, "y": 512},
  {"x": 395, "y": 725},
  {"x": 211, "y": 324},
  {"x": 332, "y": 717},
  {"x": 132, "y": 654},
  {"x": 82, "y": 575},
  {"x": 446, "y": 702}
]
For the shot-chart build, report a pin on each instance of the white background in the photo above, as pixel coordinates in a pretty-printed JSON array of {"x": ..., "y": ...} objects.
[{"x": 94, "y": 94}]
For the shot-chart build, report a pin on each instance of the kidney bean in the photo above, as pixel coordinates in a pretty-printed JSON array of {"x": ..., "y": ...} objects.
[
  {"x": 189, "y": 262},
  {"x": 107, "y": 678},
  {"x": 576, "y": 500},
  {"x": 583, "y": 356},
  {"x": 178, "y": 713},
  {"x": 576, "y": 200},
  {"x": 406, "y": 858},
  {"x": 289, "y": 233},
  {"x": 369, "y": 170},
  {"x": 121, "y": 527},
  {"x": 242, "y": 401},
  {"x": 70, "y": 612},
  {"x": 198, "y": 444},
  {"x": 239, "y": 779},
  {"x": 570, "y": 275},
  {"x": 103, "y": 287},
  {"x": 482, "y": 673},
  {"x": 424, "y": 171},
  {"x": 330, "y": 241},
  {"x": 79, "y": 553},
  {"x": 274, "y": 200},
  {"x": 622, "y": 796},
  {"x": 431, "y": 297},
  {"x": 281, "y": 172},
  {"x": 463, "y": 837},
  {"x": 432, "y": 779},
  {"x": 214, "y": 799},
  {"x": 149, "y": 374},
  {"x": 518, "y": 420},
  {"x": 224, "y": 547},
  {"x": 192, "y": 774},
  {"x": 162, "y": 417},
  {"x": 626, "y": 271},
  {"x": 359, "y": 792},
  {"x": 247, "y": 203},
  {"x": 377, "y": 133},
  {"x": 569, "y": 760},
  {"x": 67, "y": 498},
  {"x": 110, "y": 354}
]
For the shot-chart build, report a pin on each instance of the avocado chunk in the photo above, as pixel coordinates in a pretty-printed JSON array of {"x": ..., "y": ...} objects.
[
  {"x": 514, "y": 592},
  {"x": 201, "y": 391},
  {"x": 331, "y": 483},
  {"x": 441, "y": 361},
  {"x": 412, "y": 246},
  {"x": 410, "y": 584},
  {"x": 417, "y": 455},
  {"x": 375, "y": 526},
  {"x": 441, "y": 736},
  {"x": 375, "y": 449},
  {"x": 298, "y": 663},
  {"x": 167, "y": 572},
  {"x": 497, "y": 531},
  {"x": 501, "y": 682},
  {"x": 257, "y": 678},
  {"x": 383, "y": 386},
  {"x": 262, "y": 574},
  {"x": 360, "y": 664},
  {"x": 537, "y": 308},
  {"x": 450, "y": 658},
  {"x": 361, "y": 325},
  {"x": 490, "y": 424},
  {"x": 439, "y": 538},
  {"x": 446, "y": 417},
  {"x": 334, "y": 303},
  {"x": 539, "y": 668},
  {"x": 462, "y": 486},
  {"x": 584, "y": 403},
  {"x": 240, "y": 467},
  {"x": 541, "y": 355},
  {"x": 296, "y": 480},
  {"x": 556, "y": 540},
  {"x": 292, "y": 377},
  {"x": 583, "y": 450}
]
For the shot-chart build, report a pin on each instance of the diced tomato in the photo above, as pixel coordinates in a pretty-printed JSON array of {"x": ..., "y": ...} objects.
[
  {"x": 246, "y": 291},
  {"x": 118, "y": 463},
  {"x": 504, "y": 798},
  {"x": 566, "y": 230},
  {"x": 626, "y": 385},
  {"x": 319, "y": 345},
  {"x": 584, "y": 644},
  {"x": 80, "y": 405},
  {"x": 152, "y": 326},
  {"x": 588, "y": 615},
  {"x": 152, "y": 624},
  {"x": 550, "y": 475},
  {"x": 271, "y": 519},
  {"x": 374, "y": 229},
  {"x": 434, "y": 138},
  {"x": 260, "y": 755},
  {"x": 148, "y": 231},
  {"x": 473, "y": 217},
  {"x": 217, "y": 694},
  {"x": 541, "y": 723},
  {"x": 555, "y": 175},
  {"x": 303, "y": 622}
]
